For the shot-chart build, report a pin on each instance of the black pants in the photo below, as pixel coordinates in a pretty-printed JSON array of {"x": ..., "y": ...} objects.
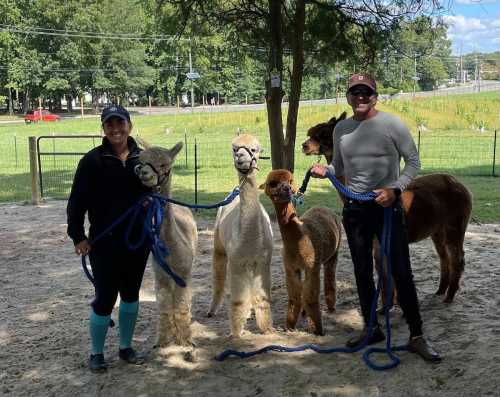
[
  {"x": 116, "y": 270},
  {"x": 362, "y": 222}
]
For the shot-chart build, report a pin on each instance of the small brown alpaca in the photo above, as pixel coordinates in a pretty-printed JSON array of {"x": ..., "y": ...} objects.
[
  {"x": 435, "y": 205},
  {"x": 308, "y": 242}
]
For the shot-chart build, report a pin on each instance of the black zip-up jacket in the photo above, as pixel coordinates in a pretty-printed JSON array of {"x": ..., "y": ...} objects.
[{"x": 104, "y": 187}]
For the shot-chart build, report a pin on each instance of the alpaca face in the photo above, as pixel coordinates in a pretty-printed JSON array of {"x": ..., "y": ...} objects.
[
  {"x": 320, "y": 141},
  {"x": 156, "y": 164},
  {"x": 280, "y": 186},
  {"x": 246, "y": 150}
]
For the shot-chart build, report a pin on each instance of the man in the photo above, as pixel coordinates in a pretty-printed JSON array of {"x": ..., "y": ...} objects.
[
  {"x": 367, "y": 152},
  {"x": 104, "y": 187}
]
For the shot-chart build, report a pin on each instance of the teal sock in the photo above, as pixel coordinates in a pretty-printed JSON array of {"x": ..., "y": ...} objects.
[
  {"x": 98, "y": 329},
  {"x": 127, "y": 319}
]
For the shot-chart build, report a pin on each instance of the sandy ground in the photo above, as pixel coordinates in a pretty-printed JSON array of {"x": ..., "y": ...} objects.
[{"x": 44, "y": 340}]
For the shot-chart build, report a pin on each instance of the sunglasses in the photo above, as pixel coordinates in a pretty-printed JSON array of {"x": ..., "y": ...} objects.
[{"x": 361, "y": 92}]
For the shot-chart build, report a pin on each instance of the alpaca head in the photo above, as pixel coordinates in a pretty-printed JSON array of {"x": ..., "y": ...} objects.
[
  {"x": 279, "y": 186},
  {"x": 246, "y": 150},
  {"x": 320, "y": 139},
  {"x": 155, "y": 164}
]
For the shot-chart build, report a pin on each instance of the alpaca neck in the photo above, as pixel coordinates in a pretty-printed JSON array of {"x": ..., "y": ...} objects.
[
  {"x": 250, "y": 212},
  {"x": 169, "y": 224},
  {"x": 289, "y": 222}
]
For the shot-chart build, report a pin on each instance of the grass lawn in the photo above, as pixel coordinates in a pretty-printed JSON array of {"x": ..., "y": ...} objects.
[{"x": 450, "y": 143}]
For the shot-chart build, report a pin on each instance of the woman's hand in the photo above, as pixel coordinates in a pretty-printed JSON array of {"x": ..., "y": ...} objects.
[{"x": 82, "y": 248}]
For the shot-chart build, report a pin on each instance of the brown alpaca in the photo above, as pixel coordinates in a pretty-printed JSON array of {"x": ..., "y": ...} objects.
[
  {"x": 435, "y": 205},
  {"x": 308, "y": 242}
]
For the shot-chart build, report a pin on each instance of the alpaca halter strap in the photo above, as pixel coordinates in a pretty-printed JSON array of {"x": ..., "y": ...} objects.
[
  {"x": 159, "y": 177},
  {"x": 253, "y": 160}
]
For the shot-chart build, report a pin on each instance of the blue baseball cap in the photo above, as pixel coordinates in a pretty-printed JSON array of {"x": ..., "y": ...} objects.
[{"x": 114, "y": 111}]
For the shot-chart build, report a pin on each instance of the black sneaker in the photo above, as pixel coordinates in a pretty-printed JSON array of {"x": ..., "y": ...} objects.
[
  {"x": 130, "y": 356},
  {"x": 377, "y": 336},
  {"x": 97, "y": 363}
]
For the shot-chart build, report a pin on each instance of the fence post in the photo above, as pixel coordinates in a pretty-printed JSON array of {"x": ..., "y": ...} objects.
[
  {"x": 186, "y": 148},
  {"x": 195, "y": 172},
  {"x": 418, "y": 142},
  {"x": 35, "y": 193},
  {"x": 15, "y": 148},
  {"x": 494, "y": 153}
]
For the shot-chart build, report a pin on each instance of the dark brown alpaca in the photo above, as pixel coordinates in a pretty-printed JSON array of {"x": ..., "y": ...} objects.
[
  {"x": 308, "y": 243},
  {"x": 435, "y": 205}
]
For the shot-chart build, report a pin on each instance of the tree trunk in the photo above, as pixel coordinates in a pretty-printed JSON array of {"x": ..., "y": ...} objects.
[
  {"x": 295, "y": 85},
  {"x": 11, "y": 104},
  {"x": 273, "y": 87}
]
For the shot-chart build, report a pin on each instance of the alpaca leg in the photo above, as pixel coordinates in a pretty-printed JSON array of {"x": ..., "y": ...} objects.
[
  {"x": 456, "y": 264},
  {"x": 241, "y": 303},
  {"x": 166, "y": 322},
  {"x": 182, "y": 314},
  {"x": 294, "y": 289},
  {"x": 262, "y": 298},
  {"x": 330, "y": 282},
  {"x": 219, "y": 270},
  {"x": 439, "y": 240},
  {"x": 310, "y": 298}
]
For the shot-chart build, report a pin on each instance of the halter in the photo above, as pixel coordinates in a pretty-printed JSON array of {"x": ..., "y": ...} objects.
[
  {"x": 252, "y": 161},
  {"x": 159, "y": 177}
]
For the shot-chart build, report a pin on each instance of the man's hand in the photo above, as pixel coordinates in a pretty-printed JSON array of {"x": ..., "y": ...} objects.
[
  {"x": 385, "y": 197},
  {"x": 82, "y": 248},
  {"x": 318, "y": 171}
]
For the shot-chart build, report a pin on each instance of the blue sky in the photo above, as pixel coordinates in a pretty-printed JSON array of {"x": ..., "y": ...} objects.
[{"x": 474, "y": 25}]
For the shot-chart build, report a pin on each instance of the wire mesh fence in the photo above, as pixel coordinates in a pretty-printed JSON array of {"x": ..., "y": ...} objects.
[{"x": 204, "y": 172}]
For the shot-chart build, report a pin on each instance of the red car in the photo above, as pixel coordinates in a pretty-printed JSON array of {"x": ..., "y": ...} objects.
[{"x": 34, "y": 116}]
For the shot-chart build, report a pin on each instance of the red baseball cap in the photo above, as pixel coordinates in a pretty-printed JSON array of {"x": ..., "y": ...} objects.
[{"x": 362, "y": 79}]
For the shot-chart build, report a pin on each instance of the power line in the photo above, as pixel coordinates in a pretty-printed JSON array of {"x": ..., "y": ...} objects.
[{"x": 92, "y": 35}]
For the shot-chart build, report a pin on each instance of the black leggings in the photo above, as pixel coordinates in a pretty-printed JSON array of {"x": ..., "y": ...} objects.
[
  {"x": 362, "y": 222},
  {"x": 116, "y": 270}
]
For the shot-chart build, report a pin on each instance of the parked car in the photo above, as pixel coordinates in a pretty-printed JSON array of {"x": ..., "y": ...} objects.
[{"x": 34, "y": 116}]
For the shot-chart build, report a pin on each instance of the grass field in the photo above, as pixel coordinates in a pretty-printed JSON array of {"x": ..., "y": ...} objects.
[{"x": 451, "y": 142}]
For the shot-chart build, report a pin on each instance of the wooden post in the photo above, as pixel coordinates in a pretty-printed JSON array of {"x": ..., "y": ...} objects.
[
  {"x": 35, "y": 192},
  {"x": 81, "y": 105},
  {"x": 149, "y": 103}
]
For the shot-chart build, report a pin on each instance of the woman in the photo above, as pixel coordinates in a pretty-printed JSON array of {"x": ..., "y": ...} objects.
[{"x": 104, "y": 187}]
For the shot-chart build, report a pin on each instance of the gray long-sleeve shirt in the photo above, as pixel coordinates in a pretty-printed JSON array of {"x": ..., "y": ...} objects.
[{"x": 368, "y": 153}]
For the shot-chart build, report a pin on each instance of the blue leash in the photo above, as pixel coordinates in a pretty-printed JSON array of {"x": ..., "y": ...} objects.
[
  {"x": 385, "y": 250},
  {"x": 151, "y": 228}
]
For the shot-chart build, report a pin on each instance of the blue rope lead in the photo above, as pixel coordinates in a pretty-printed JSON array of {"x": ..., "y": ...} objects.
[
  {"x": 151, "y": 228},
  {"x": 385, "y": 250}
]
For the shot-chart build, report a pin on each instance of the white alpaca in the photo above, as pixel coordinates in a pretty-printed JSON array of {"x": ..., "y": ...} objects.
[
  {"x": 243, "y": 240},
  {"x": 179, "y": 233}
]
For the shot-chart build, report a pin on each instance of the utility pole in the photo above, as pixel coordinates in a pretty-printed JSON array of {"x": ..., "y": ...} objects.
[
  {"x": 415, "y": 78},
  {"x": 479, "y": 74},
  {"x": 191, "y": 71},
  {"x": 462, "y": 77}
]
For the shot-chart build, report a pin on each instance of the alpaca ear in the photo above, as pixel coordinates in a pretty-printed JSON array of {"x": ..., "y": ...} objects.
[
  {"x": 176, "y": 149},
  {"x": 143, "y": 143},
  {"x": 263, "y": 186}
]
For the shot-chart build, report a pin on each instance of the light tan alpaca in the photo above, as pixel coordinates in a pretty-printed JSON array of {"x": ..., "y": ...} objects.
[
  {"x": 243, "y": 240},
  {"x": 308, "y": 243},
  {"x": 179, "y": 233}
]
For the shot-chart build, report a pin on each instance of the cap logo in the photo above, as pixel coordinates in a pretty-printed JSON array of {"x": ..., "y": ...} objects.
[
  {"x": 361, "y": 77},
  {"x": 113, "y": 109}
]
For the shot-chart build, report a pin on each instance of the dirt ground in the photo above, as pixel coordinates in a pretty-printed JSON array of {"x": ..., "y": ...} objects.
[{"x": 44, "y": 342}]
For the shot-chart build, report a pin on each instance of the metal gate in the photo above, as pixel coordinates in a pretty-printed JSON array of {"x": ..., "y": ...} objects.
[{"x": 49, "y": 167}]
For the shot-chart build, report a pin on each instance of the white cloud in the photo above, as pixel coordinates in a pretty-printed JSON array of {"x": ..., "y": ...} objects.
[
  {"x": 473, "y": 34},
  {"x": 474, "y": 2},
  {"x": 460, "y": 24}
]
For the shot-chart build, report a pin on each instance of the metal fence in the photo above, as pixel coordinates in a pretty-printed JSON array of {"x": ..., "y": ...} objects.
[{"x": 203, "y": 171}]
